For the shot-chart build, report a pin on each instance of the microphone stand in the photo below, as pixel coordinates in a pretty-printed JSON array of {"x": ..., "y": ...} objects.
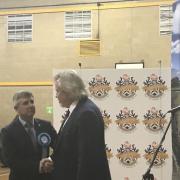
[{"x": 147, "y": 175}]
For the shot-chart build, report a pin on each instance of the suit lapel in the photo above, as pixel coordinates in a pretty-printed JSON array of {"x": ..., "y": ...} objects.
[
  {"x": 61, "y": 127},
  {"x": 37, "y": 127},
  {"x": 60, "y": 133},
  {"x": 21, "y": 130},
  {"x": 72, "y": 117},
  {"x": 22, "y": 135}
]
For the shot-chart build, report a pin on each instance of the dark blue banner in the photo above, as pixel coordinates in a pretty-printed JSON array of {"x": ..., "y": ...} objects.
[
  {"x": 176, "y": 41},
  {"x": 175, "y": 85}
]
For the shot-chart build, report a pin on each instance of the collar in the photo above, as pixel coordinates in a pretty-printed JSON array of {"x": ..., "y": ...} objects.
[
  {"x": 72, "y": 106},
  {"x": 23, "y": 122}
]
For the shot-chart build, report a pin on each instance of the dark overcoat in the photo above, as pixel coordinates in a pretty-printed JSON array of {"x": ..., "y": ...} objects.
[
  {"x": 80, "y": 153},
  {"x": 21, "y": 156}
]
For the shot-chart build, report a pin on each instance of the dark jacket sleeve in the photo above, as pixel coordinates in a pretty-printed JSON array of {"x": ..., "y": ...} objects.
[
  {"x": 92, "y": 162},
  {"x": 2, "y": 157}
]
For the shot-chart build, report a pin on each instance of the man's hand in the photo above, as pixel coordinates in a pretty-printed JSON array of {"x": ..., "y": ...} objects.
[{"x": 46, "y": 165}]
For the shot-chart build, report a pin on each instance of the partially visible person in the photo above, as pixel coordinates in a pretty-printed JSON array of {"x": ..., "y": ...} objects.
[
  {"x": 80, "y": 150},
  {"x": 2, "y": 158},
  {"x": 19, "y": 140}
]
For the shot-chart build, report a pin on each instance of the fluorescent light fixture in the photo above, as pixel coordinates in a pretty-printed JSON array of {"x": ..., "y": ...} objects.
[{"x": 138, "y": 65}]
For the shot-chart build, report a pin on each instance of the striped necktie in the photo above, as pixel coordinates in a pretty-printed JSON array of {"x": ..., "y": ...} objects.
[
  {"x": 31, "y": 132},
  {"x": 65, "y": 117}
]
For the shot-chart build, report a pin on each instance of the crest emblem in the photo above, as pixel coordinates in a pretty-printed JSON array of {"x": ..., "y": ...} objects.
[
  {"x": 106, "y": 118},
  {"x": 126, "y": 86},
  {"x": 154, "y": 86},
  {"x": 99, "y": 86},
  {"x": 108, "y": 153},
  {"x": 161, "y": 155},
  {"x": 128, "y": 154},
  {"x": 154, "y": 119},
  {"x": 127, "y": 119}
]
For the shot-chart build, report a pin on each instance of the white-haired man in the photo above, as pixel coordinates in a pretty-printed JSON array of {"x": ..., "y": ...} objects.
[{"x": 80, "y": 151}]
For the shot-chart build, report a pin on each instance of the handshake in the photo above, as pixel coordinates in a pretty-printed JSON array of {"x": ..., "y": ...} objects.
[{"x": 45, "y": 165}]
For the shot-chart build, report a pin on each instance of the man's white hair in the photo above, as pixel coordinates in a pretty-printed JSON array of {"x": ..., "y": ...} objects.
[{"x": 72, "y": 84}]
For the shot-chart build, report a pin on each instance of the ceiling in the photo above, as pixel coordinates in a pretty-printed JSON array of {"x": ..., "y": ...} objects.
[{"x": 8, "y": 4}]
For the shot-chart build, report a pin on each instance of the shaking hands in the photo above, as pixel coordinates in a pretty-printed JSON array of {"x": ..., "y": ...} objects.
[{"x": 45, "y": 165}]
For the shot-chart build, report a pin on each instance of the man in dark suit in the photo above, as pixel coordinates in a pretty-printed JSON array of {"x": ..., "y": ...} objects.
[
  {"x": 19, "y": 140},
  {"x": 80, "y": 151}
]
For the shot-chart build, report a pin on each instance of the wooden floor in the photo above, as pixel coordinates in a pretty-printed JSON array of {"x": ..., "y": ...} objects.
[{"x": 4, "y": 173}]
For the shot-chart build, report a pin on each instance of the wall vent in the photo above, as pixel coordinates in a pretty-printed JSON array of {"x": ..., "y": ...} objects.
[{"x": 90, "y": 47}]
